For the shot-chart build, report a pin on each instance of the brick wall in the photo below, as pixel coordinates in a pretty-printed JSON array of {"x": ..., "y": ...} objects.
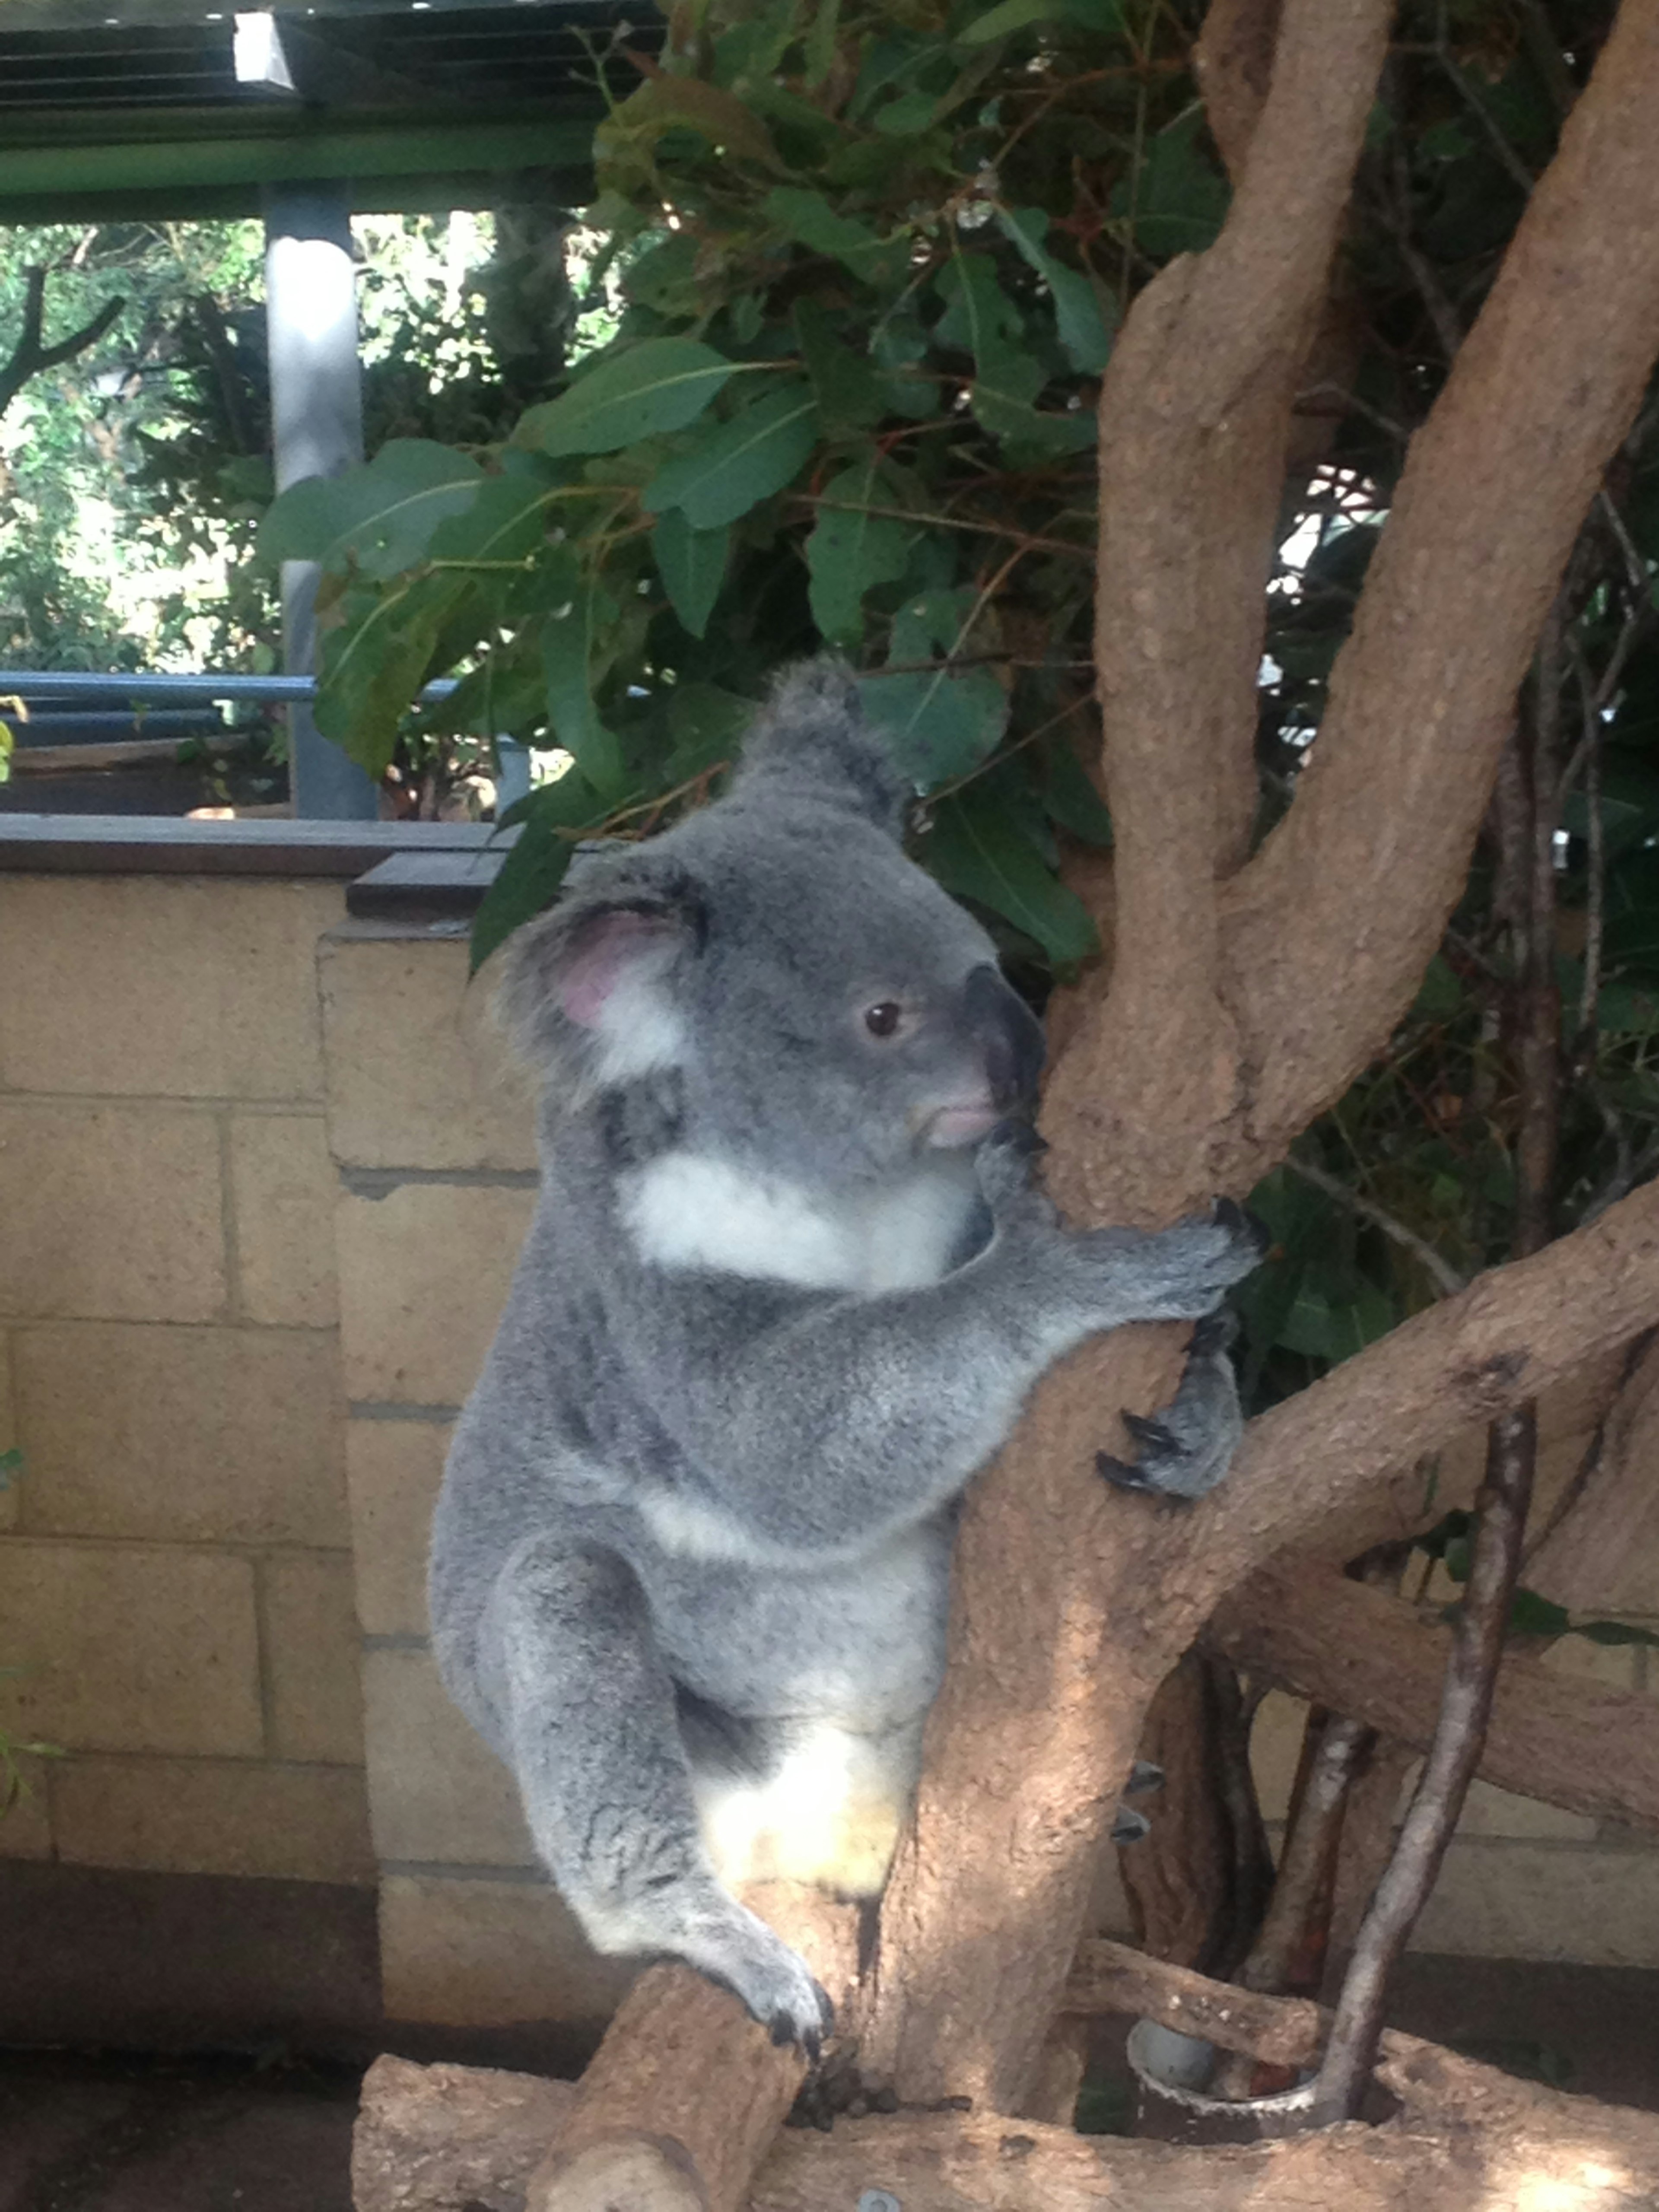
[
  {"x": 263, "y": 1172},
  {"x": 175, "y": 1576}
]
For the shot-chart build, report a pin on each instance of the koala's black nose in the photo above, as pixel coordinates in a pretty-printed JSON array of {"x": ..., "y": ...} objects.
[{"x": 1007, "y": 1032}]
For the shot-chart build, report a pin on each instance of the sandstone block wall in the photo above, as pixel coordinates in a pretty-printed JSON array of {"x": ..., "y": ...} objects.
[
  {"x": 432, "y": 1136},
  {"x": 176, "y": 1582}
]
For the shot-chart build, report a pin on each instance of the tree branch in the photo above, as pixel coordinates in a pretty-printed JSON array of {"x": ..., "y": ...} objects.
[
  {"x": 1514, "y": 1332},
  {"x": 30, "y": 355},
  {"x": 1372, "y": 1655},
  {"x": 1195, "y": 414},
  {"x": 1330, "y": 926}
]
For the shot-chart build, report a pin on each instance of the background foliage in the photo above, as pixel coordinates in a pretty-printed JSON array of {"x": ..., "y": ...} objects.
[{"x": 871, "y": 259}]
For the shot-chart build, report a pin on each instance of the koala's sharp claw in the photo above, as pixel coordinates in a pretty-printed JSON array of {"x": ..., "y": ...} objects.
[
  {"x": 1129, "y": 1827},
  {"x": 1144, "y": 1776},
  {"x": 1239, "y": 1221},
  {"x": 1149, "y": 1432},
  {"x": 1119, "y": 1470},
  {"x": 1212, "y": 1335},
  {"x": 1018, "y": 1137}
]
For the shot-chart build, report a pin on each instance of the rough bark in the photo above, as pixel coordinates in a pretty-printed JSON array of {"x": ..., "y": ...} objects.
[
  {"x": 1467, "y": 2139},
  {"x": 644, "y": 2130},
  {"x": 1377, "y": 1659},
  {"x": 1197, "y": 407},
  {"x": 1176, "y": 1880},
  {"x": 1330, "y": 926},
  {"x": 1041, "y": 1723},
  {"x": 1598, "y": 1556}
]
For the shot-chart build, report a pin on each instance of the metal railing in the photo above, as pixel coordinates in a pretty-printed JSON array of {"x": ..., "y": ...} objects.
[{"x": 72, "y": 689}]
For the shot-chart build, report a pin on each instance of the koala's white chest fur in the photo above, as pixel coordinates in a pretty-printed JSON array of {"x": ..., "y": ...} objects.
[{"x": 690, "y": 1210}]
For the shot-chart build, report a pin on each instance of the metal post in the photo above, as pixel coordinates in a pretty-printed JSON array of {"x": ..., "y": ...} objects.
[{"x": 317, "y": 430}]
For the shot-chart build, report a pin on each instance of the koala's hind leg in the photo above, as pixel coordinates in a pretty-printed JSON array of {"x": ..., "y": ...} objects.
[
  {"x": 596, "y": 1749},
  {"x": 1186, "y": 1449}
]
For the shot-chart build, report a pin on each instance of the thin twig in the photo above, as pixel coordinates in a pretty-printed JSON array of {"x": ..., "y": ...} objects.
[
  {"x": 1590, "y": 989},
  {"x": 1465, "y": 1707},
  {"x": 1446, "y": 1277}
]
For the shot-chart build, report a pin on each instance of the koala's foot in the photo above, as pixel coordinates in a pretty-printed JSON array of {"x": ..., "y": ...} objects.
[
  {"x": 735, "y": 1947},
  {"x": 1186, "y": 1449}
]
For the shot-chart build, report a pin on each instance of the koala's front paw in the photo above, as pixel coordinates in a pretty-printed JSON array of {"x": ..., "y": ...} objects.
[
  {"x": 739, "y": 1949},
  {"x": 1003, "y": 1163},
  {"x": 1187, "y": 1269}
]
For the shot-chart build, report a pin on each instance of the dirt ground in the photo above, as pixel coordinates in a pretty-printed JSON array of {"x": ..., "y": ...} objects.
[{"x": 98, "y": 2134}]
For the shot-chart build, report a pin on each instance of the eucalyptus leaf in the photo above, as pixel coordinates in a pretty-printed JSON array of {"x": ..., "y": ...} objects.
[
  {"x": 740, "y": 462},
  {"x": 852, "y": 551},
  {"x": 638, "y": 391},
  {"x": 976, "y": 851},
  {"x": 692, "y": 566},
  {"x": 809, "y": 219},
  {"x": 1079, "y": 311},
  {"x": 569, "y": 639},
  {"x": 527, "y": 881},
  {"x": 378, "y": 519}
]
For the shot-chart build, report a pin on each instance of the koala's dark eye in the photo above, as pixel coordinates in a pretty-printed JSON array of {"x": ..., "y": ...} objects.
[{"x": 883, "y": 1019}]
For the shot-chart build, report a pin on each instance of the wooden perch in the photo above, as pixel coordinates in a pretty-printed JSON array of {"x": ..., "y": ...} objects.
[
  {"x": 1372, "y": 1655},
  {"x": 1467, "y": 2139}
]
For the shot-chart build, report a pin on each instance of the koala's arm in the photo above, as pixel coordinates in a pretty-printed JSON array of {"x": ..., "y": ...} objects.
[{"x": 836, "y": 1419}]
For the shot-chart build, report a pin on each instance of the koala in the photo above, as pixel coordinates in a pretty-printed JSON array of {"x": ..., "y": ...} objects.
[{"x": 787, "y": 1285}]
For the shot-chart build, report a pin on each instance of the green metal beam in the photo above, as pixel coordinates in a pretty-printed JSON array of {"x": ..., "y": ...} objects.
[{"x": 254, "y": 154}]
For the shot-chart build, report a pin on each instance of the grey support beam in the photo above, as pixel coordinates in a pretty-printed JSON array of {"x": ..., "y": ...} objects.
[{"x": 317, "y": 430}]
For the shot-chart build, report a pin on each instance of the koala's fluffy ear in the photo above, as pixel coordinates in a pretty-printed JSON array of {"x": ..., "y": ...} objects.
[
  {"x": 811, "y": 740},
  {"x": 587, "y": 988}
]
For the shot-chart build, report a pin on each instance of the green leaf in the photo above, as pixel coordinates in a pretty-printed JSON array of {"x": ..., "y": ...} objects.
[
  {"x": 981, "y": 319},
  {"x": 11, "y": 1466},
  {"x": 809, "y": 219},
  {"x": 527, "y": 881},
  {"x": 850, "y": 552},
  {"x": 1072, "y": 801},
  {"x": 668, "y": 103},
  {"x": 907, "y": 116},
  {"x": 569, "y": 638},
  {"x": 1183, "y": 200},
  {"x": 943, "y": 722},
  {"x": 705, "y": 723},
  {"x": 637, "y": 391},
  {"x": 846, "y": 382},
  {"x": 1079, "y": 312},
  {"x": 692, "y": 566},
  {"x": 378, "y": 519},
  {"x": 1011, "y": 15},
  {"x": 977, "y": 850},
  {"x": 740, "y": 462},
  {"x": 821, "y": 40},
  {"x": 374, "y": 664},
  {"x": 1017, "y": 15},
  {"x": 1615, "y": 1632},
  {"x": 1533, "y": 1615}
]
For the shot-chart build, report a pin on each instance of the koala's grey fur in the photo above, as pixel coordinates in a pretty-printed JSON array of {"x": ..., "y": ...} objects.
[{"x": 787, "y": 1288}]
